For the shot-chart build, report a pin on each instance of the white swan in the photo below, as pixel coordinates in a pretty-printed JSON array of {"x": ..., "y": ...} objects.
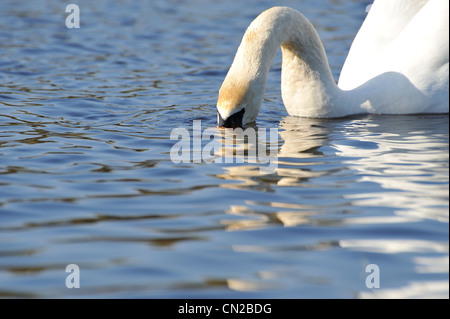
[{"x": 398, "y": 64}]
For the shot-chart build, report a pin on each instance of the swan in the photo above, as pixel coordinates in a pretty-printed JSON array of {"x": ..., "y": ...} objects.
[{"x": 398, "y": 63}]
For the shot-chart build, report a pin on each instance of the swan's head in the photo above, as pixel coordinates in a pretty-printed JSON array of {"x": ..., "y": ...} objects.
[{"x": 238, "y": 103}]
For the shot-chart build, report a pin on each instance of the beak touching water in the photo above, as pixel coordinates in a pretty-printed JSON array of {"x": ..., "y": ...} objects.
[{"x": 233, "y": 121}]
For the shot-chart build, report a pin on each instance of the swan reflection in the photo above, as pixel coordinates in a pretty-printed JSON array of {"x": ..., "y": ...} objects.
[
  {"x": 408, "y": 164},
  {"x": 301, "y": 139},
  {"x": 358, "y": 163}
]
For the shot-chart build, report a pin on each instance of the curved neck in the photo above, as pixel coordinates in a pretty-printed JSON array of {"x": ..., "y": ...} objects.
[{"x": 308, "y": 87}]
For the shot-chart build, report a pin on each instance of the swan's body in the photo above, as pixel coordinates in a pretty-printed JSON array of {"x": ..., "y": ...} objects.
[{"x": 398, "y": 64}]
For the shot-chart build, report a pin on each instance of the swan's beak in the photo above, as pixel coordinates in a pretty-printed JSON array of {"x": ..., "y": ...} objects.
[{"x": 233, "y": 121}]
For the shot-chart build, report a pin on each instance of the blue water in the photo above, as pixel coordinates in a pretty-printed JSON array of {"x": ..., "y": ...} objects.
[{"x": 86, "y": 176}]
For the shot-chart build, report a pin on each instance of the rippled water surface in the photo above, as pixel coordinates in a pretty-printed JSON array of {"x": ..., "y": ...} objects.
[{"x": 86, "y": 176}]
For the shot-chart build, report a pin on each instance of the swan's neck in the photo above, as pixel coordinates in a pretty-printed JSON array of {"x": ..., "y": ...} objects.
[{"x": 308, "y": 87}]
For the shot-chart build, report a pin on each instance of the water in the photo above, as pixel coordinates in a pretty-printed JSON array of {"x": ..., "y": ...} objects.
[{"x": 86, "y": 176}]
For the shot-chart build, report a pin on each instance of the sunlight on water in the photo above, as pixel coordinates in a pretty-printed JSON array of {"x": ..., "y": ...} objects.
[{"x": 87, "y": 178}]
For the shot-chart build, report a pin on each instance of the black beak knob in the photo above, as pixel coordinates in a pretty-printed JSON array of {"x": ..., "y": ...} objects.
[{"x": 233, "y": 121}]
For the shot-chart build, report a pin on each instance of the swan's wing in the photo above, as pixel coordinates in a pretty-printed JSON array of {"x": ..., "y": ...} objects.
[
  {"x": 421, "y": 50},
  {"x": 418, "y": 54},
  {"x": 384, "y": 22}
]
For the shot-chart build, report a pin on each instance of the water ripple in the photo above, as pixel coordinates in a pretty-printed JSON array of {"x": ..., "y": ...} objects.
[{"x": 86, "y": 175}]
